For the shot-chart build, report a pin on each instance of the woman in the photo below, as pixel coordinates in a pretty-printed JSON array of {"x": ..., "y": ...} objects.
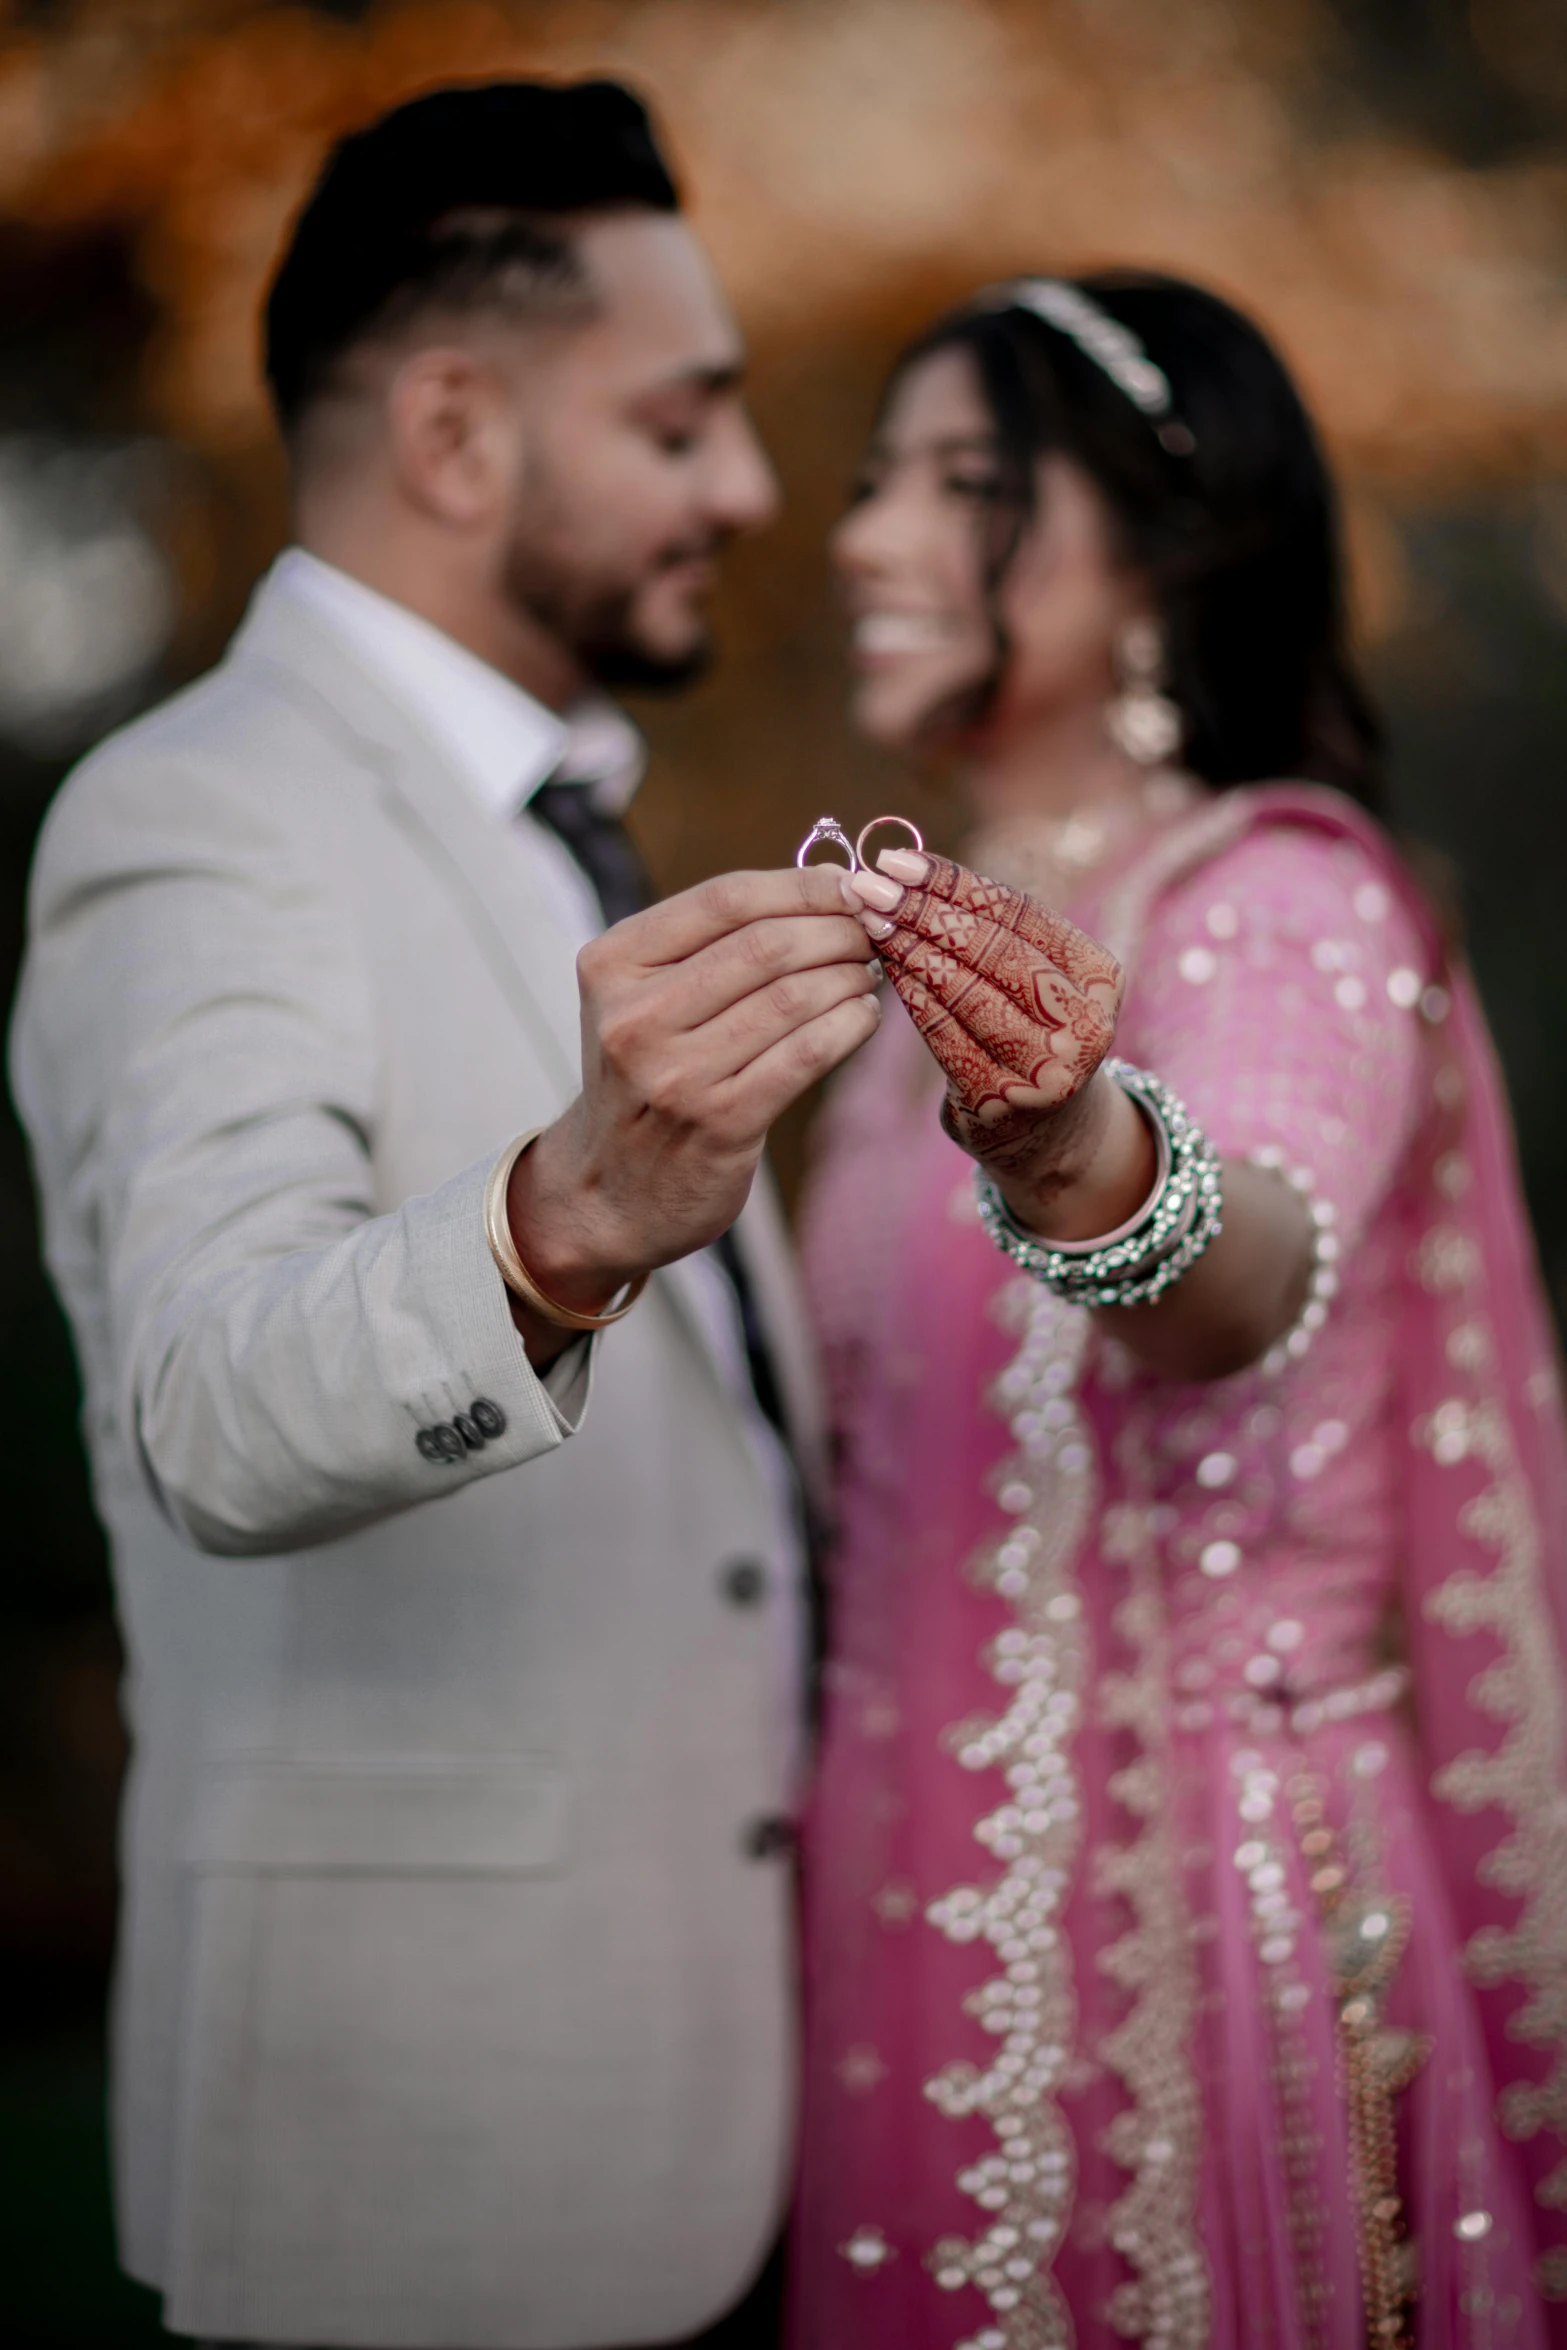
[{"x": 1187, "y": 1879}]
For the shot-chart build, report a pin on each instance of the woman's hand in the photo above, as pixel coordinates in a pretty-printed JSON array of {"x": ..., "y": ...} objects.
[{"x": 1019, "y": 1007}]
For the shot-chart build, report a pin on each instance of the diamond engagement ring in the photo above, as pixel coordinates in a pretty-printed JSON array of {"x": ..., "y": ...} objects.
[{"x": 827, "y": 828}]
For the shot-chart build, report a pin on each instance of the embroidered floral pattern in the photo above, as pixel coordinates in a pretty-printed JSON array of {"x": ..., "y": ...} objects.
[{"x": 1523, "y": 1774}]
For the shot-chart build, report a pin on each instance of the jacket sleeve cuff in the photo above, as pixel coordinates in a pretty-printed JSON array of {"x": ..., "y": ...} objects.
[
  {"x": 478, "y": 1353},
  {"x": 302, "y": 1400}
]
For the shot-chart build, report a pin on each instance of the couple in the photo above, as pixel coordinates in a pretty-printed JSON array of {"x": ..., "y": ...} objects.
[{"x": 1185, "y": 1861}]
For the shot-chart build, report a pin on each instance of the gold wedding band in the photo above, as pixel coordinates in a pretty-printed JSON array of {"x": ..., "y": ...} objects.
[{"x": 860, "y": 858}]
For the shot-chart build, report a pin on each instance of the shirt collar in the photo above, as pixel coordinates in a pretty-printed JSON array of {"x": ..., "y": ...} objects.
[{"x": 501, "y": 741}]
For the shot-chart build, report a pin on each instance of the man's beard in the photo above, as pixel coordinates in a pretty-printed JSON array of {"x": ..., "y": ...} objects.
[
  {"x": 598, "y": 626},
  {"x": 608, "y": 649}
]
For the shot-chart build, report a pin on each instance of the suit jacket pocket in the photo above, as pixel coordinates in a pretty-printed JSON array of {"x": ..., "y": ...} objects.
[{"x": 464, "y": 1815}]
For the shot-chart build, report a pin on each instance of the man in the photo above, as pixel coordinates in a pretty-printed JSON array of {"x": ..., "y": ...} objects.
[{"x": 454, "y": 1992}]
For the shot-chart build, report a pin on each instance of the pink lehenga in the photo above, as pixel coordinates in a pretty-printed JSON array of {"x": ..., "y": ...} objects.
[{"x": 1186, "y": 1878}]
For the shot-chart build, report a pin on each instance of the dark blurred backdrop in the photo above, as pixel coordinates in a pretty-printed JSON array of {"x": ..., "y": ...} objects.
[{"x": 1383, "y": 181}]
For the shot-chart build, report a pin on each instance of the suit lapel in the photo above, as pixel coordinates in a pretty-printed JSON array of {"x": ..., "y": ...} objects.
[{"x": 508, "y": 900}]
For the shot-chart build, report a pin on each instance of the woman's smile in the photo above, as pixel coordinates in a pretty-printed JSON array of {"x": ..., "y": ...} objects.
[{"x": 884, "y": 634}]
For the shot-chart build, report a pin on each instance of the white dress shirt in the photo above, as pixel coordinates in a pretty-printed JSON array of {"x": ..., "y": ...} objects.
[
  {"x": 503, "y": 744},
  {"x": 501, "y": 741}
]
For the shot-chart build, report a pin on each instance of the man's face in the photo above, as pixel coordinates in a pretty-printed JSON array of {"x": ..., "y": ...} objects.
[{"x": 637, "y": 460}]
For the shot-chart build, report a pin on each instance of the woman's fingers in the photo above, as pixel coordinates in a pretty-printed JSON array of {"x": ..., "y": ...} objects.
[
  {"x": 1044, "y": 1014},
  {"x": 1041, "y": 991},
  {"x": 976, "y": 1082},
  {"x": 953, "y": 907},
  {"x": 1046, "y": 1056}
]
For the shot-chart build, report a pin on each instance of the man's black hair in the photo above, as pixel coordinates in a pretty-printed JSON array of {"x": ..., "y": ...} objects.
[{"x": 384, "y": 234}]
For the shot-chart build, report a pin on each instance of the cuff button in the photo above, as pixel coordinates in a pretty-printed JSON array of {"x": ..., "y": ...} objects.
[
  {"x": 440, "y": 1444},
  {"x": 471, "y": 1434},
  {"x": 487, "y": 1417}
]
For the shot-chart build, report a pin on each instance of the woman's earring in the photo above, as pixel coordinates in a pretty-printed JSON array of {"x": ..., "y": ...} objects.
[{"x": 1142, "y": 720}]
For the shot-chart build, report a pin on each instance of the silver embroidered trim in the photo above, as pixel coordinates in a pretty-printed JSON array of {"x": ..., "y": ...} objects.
[
  {"x": 1049, "y": 1487},
  {"x": 1158, "y": 2138},
  {"x": 1522, "y": 1775}
]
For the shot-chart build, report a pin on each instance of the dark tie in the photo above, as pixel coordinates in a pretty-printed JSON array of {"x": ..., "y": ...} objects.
[
  {"x": 601, "y": 845},
  {"x": 613, "y": 863}
]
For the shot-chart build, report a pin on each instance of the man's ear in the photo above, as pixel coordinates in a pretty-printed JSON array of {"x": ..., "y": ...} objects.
[{"x": 450, "y": 448}]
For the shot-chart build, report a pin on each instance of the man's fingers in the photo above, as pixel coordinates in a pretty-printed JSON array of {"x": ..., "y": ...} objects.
[
  {"x": 764, "y": 1089},
  {"x": 768, "y": 1017},
  {"x": 682, "y": 926},
  {"x": 640, "y": 1014},
  {"x": 745, "y": 961}
]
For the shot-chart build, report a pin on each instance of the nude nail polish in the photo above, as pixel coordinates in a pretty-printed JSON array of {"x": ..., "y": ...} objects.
[
  {"x": 904, "y": 865},
  {"x": 877, "y": 925},
  {"x": 877, "y": 892}
]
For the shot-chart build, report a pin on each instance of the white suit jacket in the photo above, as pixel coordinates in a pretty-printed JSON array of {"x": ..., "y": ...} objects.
[{"x": 454, "y": 1995}]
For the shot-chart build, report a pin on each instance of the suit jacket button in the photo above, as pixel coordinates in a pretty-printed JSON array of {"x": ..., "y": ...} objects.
[
  {"x": 471, "y": 1434},
  {"x": 487, "y": 1417},
  {"x": 440, "y": 1444},
  {"x": 768, "y": 1837},
  {"x": 744, "y": 1582}
]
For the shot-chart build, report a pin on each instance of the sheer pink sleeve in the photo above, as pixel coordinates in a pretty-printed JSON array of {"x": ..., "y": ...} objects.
[{"x": 1277, "y": 993}]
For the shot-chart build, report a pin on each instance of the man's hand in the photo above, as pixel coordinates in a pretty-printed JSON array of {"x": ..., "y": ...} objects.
[{"x": 702, "y": 1020}]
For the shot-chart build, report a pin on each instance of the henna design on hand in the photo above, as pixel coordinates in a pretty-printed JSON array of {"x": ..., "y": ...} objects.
[{"x": 1017, "y": 1004}]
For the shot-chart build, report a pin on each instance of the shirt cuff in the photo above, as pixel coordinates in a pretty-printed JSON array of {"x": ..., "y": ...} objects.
[{"x": 568, "y": 1383}]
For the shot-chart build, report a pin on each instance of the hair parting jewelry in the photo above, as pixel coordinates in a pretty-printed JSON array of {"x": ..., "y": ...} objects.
[
  {"x": 1143, "y": 1258},
  {"x": 1112, "y": 347},
  {"x": 514, "y": 1272},
  {"x": 827, "y": 829}
]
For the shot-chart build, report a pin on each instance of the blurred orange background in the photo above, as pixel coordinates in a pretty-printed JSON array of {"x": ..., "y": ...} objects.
[{"x": 1382, "y": 182}]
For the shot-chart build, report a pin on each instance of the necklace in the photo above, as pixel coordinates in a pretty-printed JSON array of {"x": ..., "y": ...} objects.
[{"x": 1048, "y": 856}]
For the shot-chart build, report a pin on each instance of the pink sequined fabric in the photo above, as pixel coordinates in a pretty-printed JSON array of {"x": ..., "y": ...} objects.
[{"x": 1101, "y": 1644}]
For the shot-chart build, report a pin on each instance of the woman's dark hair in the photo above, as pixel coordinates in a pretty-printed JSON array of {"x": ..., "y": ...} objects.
[{"x": 1238, "y": 536}]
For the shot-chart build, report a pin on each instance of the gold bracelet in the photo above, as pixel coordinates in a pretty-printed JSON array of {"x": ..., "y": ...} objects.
[{"x": 512, "y": 1270}]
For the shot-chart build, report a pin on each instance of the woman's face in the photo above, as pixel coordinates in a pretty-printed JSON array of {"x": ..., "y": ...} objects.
[{"x": 911, "y": 555}]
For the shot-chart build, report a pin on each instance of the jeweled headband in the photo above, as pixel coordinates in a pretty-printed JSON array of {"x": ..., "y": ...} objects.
[{"x": 1111, "y": 346}]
